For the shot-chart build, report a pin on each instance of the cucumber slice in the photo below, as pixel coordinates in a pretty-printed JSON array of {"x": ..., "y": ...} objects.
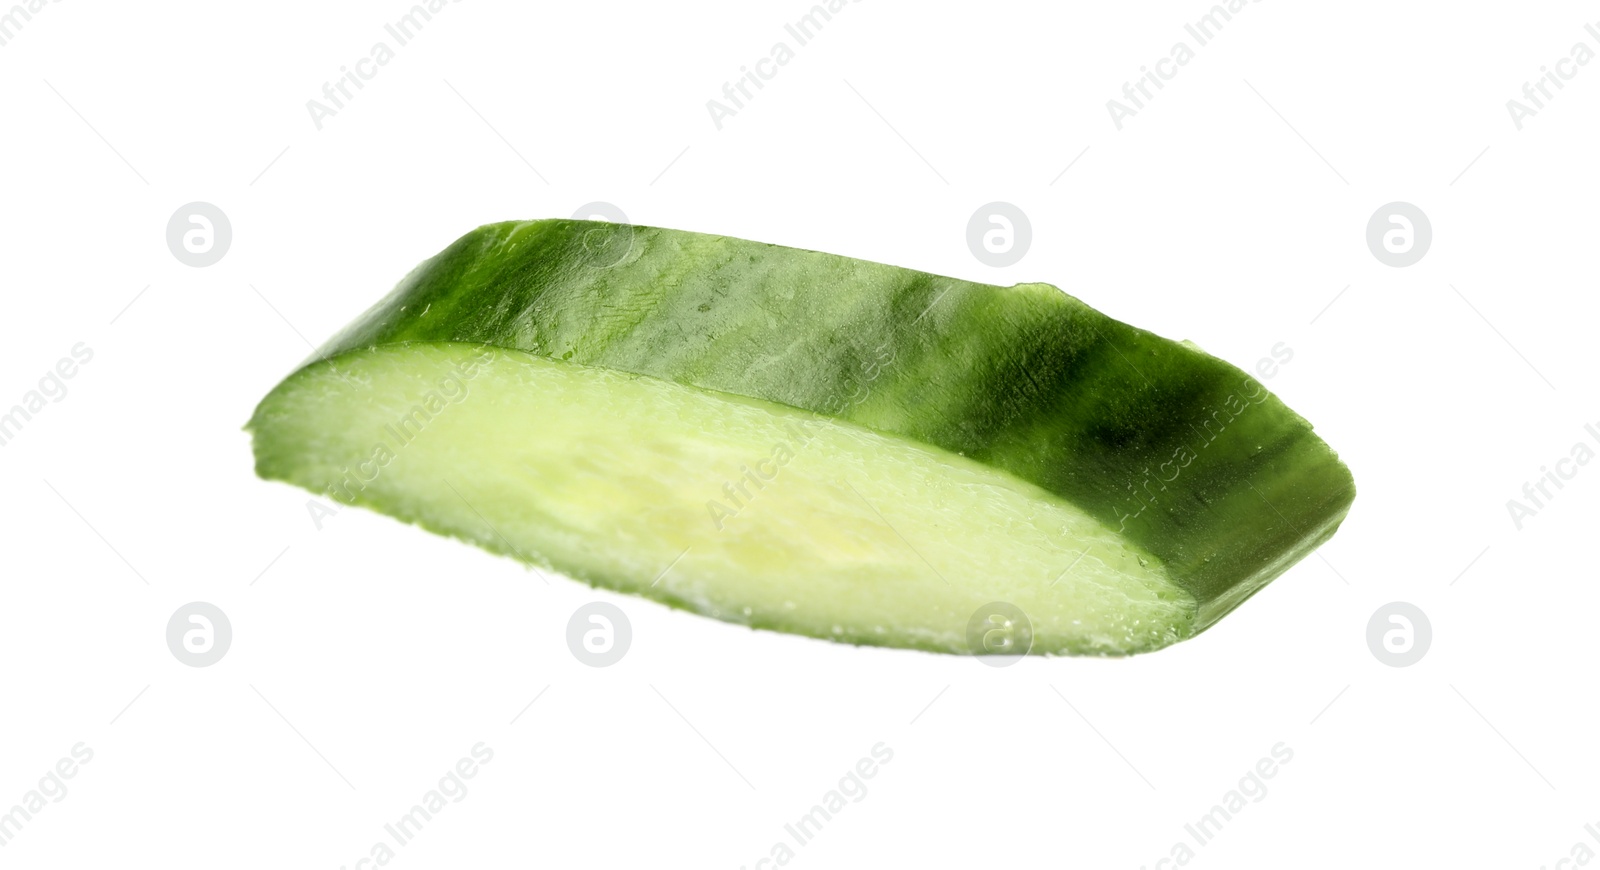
[{"x": 808, "y": 443}]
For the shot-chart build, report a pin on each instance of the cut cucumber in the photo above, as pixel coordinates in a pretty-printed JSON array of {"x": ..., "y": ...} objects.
[{"x": 808, "y": 443}]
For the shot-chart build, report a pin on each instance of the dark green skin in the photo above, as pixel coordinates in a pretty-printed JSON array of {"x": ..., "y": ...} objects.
[{"x": 1189, "y": 456}]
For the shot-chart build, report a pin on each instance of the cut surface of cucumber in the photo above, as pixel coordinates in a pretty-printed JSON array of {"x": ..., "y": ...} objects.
[
  {"x": 836, "y": 532},
  {"x": 808, "y": 443}
]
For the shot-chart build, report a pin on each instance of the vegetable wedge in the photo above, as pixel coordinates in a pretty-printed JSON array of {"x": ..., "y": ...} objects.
[{"x": 808, "y": 443}]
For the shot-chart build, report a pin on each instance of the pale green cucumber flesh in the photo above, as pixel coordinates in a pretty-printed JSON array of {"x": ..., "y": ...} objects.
[{"x": 737, "y": 508}]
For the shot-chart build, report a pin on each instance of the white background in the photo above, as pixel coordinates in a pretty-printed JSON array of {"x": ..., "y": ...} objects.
[{"x": 369, "y": 656}]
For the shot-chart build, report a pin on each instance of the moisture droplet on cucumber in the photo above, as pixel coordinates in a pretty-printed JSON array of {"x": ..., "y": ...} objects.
[{"x": 808, "y": 443}]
